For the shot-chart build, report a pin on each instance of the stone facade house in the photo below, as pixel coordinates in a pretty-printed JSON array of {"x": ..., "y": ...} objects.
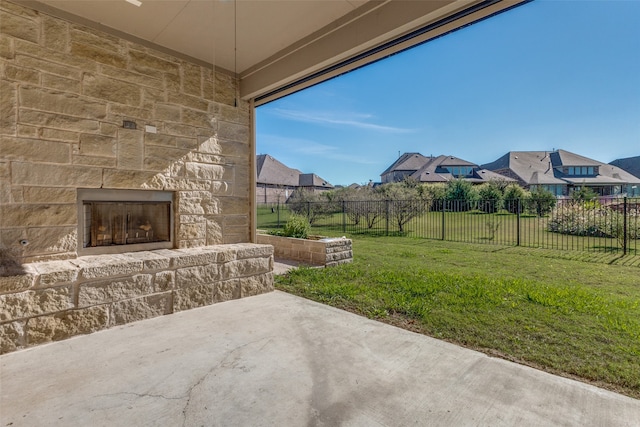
[
  {"x": 440, "y": 169},
  {"x": 632, "y": 166},
  {"x": 276, "y": 182},
  {"x": 561, "y": 172}
]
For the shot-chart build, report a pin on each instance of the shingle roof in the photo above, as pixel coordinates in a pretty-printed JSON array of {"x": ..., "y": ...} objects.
[
  {"x": 407, "y": 162},
  {"x": 271, "y": 171},
  {"x": 540, "y": 167},
  {"x": 628, "y": 164}
]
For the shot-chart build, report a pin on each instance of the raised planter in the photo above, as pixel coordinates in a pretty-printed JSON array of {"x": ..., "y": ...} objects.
[{"x": 321, "y": 252}]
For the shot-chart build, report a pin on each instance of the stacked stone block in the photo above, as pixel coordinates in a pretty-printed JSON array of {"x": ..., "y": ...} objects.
[
  {"x": 56, "y": 300},
  {"x": 323, "y": 252},
  {"x": 65, "y": 91}
]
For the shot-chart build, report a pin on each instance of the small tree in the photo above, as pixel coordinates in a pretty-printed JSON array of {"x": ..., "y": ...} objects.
[
  {"x": 405, "y": 202},
  {"x": 490, "y": 196},
  {"x": 515, "y": 198},
  {"x": 310, "y": 204},
  {"x": 461, "y": 195},
  {"x": 541, "y": 201}
]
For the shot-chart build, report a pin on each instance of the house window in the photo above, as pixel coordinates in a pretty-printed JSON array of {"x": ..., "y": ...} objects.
[
  {"x": 460, "y": 170},
  {"x": 581, "y": 170}
]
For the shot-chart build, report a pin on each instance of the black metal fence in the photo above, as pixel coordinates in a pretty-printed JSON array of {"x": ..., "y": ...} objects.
[{"x": 608, "y": 225}]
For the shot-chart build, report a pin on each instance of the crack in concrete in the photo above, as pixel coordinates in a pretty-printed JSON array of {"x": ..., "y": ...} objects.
[{"x": 222, "y": 364}]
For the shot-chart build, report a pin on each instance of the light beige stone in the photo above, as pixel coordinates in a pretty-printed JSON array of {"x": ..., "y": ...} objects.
[
  {"x": 38, "y": 215},
  {"x": 101, "y": 292},
  {"x": 133, "y": 179},
  {"x": 59, "y": 135},
  {"x": 60, "y": 83},
  {"x": 150, "y": 260},
  {"x": 19, "y": 27},
  {"x": 197, "y": 202},
  {"x": 250, "y": 250},
  {"x": 205, "y": 171},
  {"x": 61, "y": 102},
  {"x": 33, "y": 303},
  {"x": 234, "y": 205},
  {"x": 103, "y": 162},
  {"x": 98, "y": 266},
  {"x": 196, "y": 118},
  {"x": 6, "y": 47},
  {"x": 214, "y": 231},
  {"x": 227, "y": 290},
  {"x": 73, "y": 64},
  {"x": 245, "y": 267},
  {"x": 8, "y": 110},
  {"x": 159, "y": 139},
  {"x": 21, "y": 74},
  {"x": 193, "y": 297},
  {"x": 111, "y": 90},
  {"x": 192, "y": 231},
  {"x": 178, "y": 129},
  {"x": 162, "y": 158},
  {"x": 55, "y": 175},
  {"x": 194, "y": 243},
  {"x": 25, "y": 131},
  {"x": 191, "y": 79},
  {"x": 57, "y": 121},
  {"x": 101, "y": 40},
  {"x": 165, "y": 280},
  {"x": 186, "y": 184},
  {"x": 197, "y": 275},
  {"x": 54, "y": 273},
  {"x": 255, "y": 285},
  {"x": 43, "y": 241},
  {"x": 102, "y": 56},
  {"x": 44, "y": 65},
  {"x": 67, "y": 324},
  {"x": 194, "y": 257},
  {"x": 144, "y": 62},
  {"x": 12, "y": 282},
  {"x": 120, "y": 112},
  {"x": 55, "y": 33},
  {"x": 191, "y": 103},
  {"x": 49, "y": 195},
  {"x": 97, "y": 145},
  {"x": 11, "y": 336},
  {"x": 142, "y": 308},
  {"x": 24, "y": 149},
  {"x": 210, "y": 145}
]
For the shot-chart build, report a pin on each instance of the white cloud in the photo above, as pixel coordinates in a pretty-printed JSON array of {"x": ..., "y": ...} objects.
[
  {"x": 357, "y": 120},
  {"x": 306, "y": 147}
]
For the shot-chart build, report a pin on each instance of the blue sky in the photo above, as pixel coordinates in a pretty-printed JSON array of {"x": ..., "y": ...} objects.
[{"x": 549, "y": 74}]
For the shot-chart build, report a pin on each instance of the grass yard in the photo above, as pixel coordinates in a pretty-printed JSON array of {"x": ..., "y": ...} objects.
[{"x": 578, "y": 318}]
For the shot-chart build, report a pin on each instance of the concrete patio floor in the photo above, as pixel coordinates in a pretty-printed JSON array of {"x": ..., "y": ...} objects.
[{"x": 279, "y": 360}]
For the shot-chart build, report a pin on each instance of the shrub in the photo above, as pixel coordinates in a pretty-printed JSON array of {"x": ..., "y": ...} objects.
[
  {"x": 297, "y": 226},
  {"x": 541, "y": 201},
  {"x": 490, "y": 197},
  {"x": 515, "y": 198},
  {"x": 461, "y": 195}
]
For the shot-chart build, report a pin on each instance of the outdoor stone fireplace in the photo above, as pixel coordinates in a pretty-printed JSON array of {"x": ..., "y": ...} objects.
[
  {"x": 114, "y": 221},
  {"x": 124, "y": 182}
]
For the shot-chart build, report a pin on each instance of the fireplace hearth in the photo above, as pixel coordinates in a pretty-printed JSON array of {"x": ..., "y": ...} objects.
[{"x": 113, "y": 221}]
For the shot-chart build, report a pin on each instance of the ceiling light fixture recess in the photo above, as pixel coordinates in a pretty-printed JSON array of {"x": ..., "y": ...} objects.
[{"x": 135, "y": 2}]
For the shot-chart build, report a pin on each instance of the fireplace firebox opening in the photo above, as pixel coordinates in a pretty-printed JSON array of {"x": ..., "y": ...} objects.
[{"x": 113, "y": 221}]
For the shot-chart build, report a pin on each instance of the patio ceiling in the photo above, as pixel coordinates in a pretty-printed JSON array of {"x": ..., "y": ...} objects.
[{"x": 277, "y": 46}]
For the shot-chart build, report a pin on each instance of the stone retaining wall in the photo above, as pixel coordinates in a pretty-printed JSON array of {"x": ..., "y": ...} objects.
[
  {"x": 56, "y": 300},
  {"x": 326, "y": 252}
]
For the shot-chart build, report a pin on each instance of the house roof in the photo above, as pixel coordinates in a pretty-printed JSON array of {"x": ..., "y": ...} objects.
[
  {"x": 312, "y": 180},
  {"x": 541, "y": 167},
  {"x": 435, "y": 171},
  {"x": 407, "y": 162},
  {"x": 628, "y": 164},
  {"x": 272, "y": 171}
]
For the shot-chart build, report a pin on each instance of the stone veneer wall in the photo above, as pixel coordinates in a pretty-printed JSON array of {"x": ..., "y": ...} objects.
[
  {"x": 58, "y": 299},
  {"x": 65, "y": 91},
  {"x": 324, "y": 252}
]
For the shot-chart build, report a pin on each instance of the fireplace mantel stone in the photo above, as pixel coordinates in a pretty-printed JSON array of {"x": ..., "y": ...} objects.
[{"x": 56, "y": 300}]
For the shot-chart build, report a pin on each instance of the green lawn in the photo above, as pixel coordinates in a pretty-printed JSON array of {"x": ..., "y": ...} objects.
[{"x": 575, "y": 317}]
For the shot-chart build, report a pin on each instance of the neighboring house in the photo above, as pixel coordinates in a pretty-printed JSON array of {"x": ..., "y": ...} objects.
[
  {"x": 437, "y": 169},
  {"x": 629, "y": 164},
  {"x": 276, "y": 182},
  {"x": 562, "y": 172}
]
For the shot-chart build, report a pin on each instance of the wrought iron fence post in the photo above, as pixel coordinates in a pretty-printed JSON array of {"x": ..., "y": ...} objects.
[
  {"x": 278, "y": 209},
  {"x": 443, "y": 211},
  {"x": 624, "y": 227},
  {"x": 386, "y": 227},
  {"x": 518, "y": 224},
  {"x": 309, "y": 211},
  {"x": 344, "y": 217}
]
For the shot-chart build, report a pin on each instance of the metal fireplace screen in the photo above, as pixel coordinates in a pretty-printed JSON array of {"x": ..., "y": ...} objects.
[{"x": 126, "y": 223}]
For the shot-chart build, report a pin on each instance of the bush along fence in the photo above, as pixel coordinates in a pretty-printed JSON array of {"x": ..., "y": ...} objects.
[{"x": 608, "y": 225}]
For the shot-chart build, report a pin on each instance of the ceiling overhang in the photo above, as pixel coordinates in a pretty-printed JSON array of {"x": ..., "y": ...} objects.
[{"x": 277, "y": 47}]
